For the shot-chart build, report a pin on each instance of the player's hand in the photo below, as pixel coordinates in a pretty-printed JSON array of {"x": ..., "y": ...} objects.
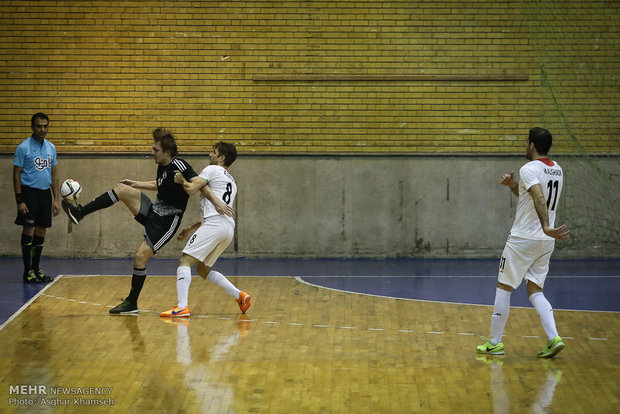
[
  {"x": 183, "y": 234},
  {"x": 557, "y": 233},
  {"x": 508, "y": 179},
  {"x": 178, "y": 177},
  {"x": 128, "y": 182},
  {"x": 223, "y": 208}
]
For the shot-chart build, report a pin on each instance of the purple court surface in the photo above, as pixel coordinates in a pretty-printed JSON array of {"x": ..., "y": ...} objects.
[{"x": 592, "y": 285}]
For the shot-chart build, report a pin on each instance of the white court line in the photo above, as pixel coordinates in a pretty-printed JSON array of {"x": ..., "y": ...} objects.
[
  {"x": 300, "y": 280},
  {"x": 80, "y": 276},
  {"x": 32, "y": 299},
  {"x": 369, "y": 276},
  {"x": 42, "y": 292},
  {"x": 456, "y": 276},
  {"x": 289, "y": 323}
]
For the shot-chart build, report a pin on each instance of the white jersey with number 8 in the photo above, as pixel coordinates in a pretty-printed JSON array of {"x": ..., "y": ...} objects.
[
  {"x": 549, "y": 175},
  {"x": 223, "y": 186}
]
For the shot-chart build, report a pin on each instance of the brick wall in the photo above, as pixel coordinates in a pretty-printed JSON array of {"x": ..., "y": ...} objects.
[{"x": 109, "y": 72}]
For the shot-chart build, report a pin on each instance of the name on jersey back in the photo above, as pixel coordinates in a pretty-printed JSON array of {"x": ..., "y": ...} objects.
[{"x": 551, "y": 171}]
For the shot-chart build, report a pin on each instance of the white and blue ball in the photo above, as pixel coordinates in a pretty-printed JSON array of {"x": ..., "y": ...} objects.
[{"x": 70, "y": 189}]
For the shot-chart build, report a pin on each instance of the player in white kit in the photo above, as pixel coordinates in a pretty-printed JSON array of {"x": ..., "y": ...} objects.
[
  {"x": 213, "y": 233},
  {"x": 530, "y": 243}
]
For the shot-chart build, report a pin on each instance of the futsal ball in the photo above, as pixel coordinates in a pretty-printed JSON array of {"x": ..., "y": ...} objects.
[{"x": 70, "y": 189}]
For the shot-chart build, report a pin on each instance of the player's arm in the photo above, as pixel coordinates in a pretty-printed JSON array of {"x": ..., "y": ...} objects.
[
  {"x": 192, "y": 186},
  {"x": 540, "y": 204},
  {"x": 509, "y": 181},
  {"x": 22, "y": 208},
  {"x": 188, "y": 230},
  {"x": 55, "y": 191},
  {"x": 140, "y": 185},
  {"x": 220, "y": 206}
]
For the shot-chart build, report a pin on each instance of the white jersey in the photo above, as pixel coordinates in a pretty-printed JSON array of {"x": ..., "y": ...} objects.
[
  {"x": 223, "y": 186},
  {"x": 550, "y": 176}
]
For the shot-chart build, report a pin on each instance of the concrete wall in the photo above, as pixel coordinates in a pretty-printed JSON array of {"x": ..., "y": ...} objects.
[{"x": 290, "y": 206}]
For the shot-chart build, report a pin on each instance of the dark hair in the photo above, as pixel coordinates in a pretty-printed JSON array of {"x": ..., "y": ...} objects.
[
  {"x": 228, "y": 150},
  {"x": 542, "y": 140},
  {"x": 166, "y": 139},
  {"x": 38, "y": 115}
]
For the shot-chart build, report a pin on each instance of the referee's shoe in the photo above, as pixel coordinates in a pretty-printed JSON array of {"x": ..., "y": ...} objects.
[{"x": 74, "y": 212}]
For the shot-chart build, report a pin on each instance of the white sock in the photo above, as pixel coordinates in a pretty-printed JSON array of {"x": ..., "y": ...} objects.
[
  {"x": 221, "y": 281},
  {"x": 501, "y": 309},
  {"x": 545, "y": 313},
  {"x": 184, "y": 278}
]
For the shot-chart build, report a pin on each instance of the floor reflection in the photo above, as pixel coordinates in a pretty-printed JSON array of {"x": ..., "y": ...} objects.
[
  {"x": 501, "y": 397},
  {"x": 202, "y": 377}
]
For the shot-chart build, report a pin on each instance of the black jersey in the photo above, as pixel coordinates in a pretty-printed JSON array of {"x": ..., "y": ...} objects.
[{"x": 167, "y": 190}]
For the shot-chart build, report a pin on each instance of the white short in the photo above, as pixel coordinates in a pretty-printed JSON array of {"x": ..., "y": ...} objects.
[
  {"x": 210, "y": 240},
  {"x": 525, "y": 258}
]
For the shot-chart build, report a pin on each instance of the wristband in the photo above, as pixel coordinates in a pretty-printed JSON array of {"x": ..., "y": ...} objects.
[{"x": 18, "y": 198}]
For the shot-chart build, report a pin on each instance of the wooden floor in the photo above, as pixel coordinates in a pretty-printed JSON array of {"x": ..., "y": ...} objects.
[{"x": 300, "y": 349}]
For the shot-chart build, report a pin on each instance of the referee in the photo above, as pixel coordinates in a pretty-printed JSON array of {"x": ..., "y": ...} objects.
[{"x": 34, "y": 173}]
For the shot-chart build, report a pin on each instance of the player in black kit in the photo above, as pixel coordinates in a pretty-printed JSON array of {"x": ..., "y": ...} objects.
[{"x": 161, "y": 219}]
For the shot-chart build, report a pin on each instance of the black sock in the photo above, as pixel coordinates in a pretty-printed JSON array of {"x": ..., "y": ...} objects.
[
  {"x": 105, "y": 200},
  {"x": 37, "y": 247},
  {"x": 27, "y": 252},
  {"x": 137, "y": 281}
]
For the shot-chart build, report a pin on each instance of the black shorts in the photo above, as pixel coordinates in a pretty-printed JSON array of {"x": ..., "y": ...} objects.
[
  {"x": 158, "y": 230},
  {"x": 39, "y": 204}
]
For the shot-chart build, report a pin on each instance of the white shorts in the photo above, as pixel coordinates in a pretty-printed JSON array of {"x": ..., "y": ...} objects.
[
  {"x": 210, "y": 240},
  {"x": 525, "y": 258}
]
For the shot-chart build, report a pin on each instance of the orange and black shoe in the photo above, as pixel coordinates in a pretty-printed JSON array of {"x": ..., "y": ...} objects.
[{"x": 244, "y": 301}]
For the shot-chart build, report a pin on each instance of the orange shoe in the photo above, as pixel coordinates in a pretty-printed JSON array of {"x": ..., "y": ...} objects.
[
  {"x": 244, "y": 301},
  {"x": 175, "y": 312}
]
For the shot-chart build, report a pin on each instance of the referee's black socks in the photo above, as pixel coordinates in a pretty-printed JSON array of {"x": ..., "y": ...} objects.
[
  {"x": 37, "y": 248},
  {"x": 27, "y": 252},
  {"x": 105, "y": 200}
]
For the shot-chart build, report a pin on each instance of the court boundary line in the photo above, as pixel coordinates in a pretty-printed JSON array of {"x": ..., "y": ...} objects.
[
  {"x": 365, "y": 276},
  {"x": 299, "y": 279},
  {"x": 463, "y": 276},
  {"x": 154, "y": 313},
  {"x": 32, "y": 299}
]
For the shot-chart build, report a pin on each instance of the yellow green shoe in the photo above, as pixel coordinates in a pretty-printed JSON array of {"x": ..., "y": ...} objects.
[
  {"x": 30, "y": 277},
  {"x": 490, "y": 349},
  {"x": 552, "y": 348},
  {"x": 42, "y": 277}
]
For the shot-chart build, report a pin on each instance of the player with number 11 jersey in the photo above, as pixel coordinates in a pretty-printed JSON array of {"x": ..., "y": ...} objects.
[{"x": 549, "y": 175}]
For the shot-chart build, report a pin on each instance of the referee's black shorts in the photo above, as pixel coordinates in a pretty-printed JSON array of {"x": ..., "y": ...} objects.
[
  {"x": 158, "y": 230},
  {"x": 39, "y": 203}
]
